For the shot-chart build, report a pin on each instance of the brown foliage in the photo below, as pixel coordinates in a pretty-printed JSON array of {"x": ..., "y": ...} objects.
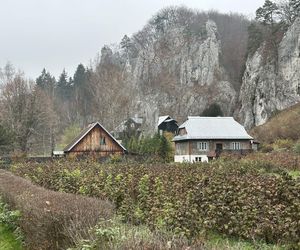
[
  {"x": 51, "y": 220},
  {"x": 284, "y": 125},
  {"x": 251, "y": 199},
  {"x": 287, "y": 160}
]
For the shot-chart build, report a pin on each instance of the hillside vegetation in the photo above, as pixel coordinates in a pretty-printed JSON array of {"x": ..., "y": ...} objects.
[{"x": 283, "y": 125}]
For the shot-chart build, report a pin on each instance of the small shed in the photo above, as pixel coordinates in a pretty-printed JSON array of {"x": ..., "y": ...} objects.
[
  {"x": 94, "y": 140},
  {"x": 167, "y": 124}
]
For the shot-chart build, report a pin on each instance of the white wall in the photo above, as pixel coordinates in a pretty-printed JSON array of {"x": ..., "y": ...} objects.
[{"x": 189, "y": 158}]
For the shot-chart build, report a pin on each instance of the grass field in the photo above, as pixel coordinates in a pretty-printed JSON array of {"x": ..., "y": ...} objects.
[{"x": 8, "y": 240}]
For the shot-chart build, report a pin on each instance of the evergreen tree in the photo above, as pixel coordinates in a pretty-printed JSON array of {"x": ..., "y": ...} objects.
[
  {"x": 63, "y": 87},
  {"x": 46, "y": 82},
  {"x": 213, "y": 110},
  {"x": 126, "y": 43},
  {"x": 79, "y": 76},
  {"x": 164, "y": 149},
  {"x": 267, "y": 13},
  {"x": 83, "y": 94}
]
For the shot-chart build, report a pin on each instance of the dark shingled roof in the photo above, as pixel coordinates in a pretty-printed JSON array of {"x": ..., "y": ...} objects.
[{"x": 84, "y": 132}]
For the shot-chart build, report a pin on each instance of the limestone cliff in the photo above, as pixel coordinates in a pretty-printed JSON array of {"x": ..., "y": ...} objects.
[
  {"x": 271, "y": 86},
  {"x": 173, "y": 69}
]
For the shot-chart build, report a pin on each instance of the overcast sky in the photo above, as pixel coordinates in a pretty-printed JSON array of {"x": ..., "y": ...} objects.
[{"x": 58, "y": 34}]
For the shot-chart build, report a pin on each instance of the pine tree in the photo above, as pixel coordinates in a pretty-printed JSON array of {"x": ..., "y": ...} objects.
[
  {"x": 164, "y": 148},
  {"x": 81, "y": 90},
  {"x": 266, "y": 14},
  {"x": 125, "y": 43},
  {"x": 46, "y": 82},
  {"x": 63, "y": 87},
  {"x": 79, "y": 76}
]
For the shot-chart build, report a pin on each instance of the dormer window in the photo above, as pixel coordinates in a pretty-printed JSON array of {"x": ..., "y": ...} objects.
[{"x": 182, "y": 131}]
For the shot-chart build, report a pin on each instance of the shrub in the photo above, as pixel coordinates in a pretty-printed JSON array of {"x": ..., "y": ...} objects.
[
  {"x": 115, "y": 158},
  {"x": 51, "y": 220},
  {"x": 8, "y": 217},
  {"x": 113, "y": 234},
  {"x": 266, "y": 148},
  {"x": 253, "y": 199},
  {"x": 157, "y": 147},
  {"x": 297, "y": 147},
  {"x": 283, "y": 144}
]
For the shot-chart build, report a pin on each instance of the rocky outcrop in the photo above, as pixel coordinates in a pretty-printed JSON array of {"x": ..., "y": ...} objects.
[
  {"x": 182, "y": 62},
  {"x": 271, "y": 86},
  {"x": 173, "y": 72}
]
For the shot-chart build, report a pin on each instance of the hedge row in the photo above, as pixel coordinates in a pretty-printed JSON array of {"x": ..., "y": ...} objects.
[
  {"x": 240, "y": 199},
  {"x": 51, "y": 220}
]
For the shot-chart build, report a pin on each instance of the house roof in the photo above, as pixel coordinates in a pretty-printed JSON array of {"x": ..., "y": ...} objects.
[
  {"x": 161, "y": 119},
  {"x": 84, "y": 132},
  {"x": 212, "y": 128}
]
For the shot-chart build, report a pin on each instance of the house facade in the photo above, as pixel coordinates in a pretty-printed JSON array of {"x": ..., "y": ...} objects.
[
  {"x": 201, "y": 139},
  {"x": 96, "y": 141}
]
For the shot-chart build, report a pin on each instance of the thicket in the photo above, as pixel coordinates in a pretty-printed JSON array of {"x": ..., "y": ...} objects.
[
  {"x": 250, "y": 199},
  {"x": 158, "y": 147},
  {"x": 278, "y": 159},
  {"x": 284, "y": 125}
]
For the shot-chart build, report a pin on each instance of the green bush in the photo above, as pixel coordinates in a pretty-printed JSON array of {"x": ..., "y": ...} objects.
[
  {"x": 158, "y": 147},
  {"x": 8, "y": 217},
  {"x": 297, "y": 147}
]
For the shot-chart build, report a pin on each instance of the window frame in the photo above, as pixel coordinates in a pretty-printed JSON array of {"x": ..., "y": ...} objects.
[
  {"x": 202, "y": 145},
  {"x": 102, "y": 141},
  {"x": 236, "y": 146},
  {"x": 198, "y": 159}
]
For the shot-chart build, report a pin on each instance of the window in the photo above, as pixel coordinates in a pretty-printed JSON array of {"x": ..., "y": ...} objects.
[
  {"x": 102, "y": 141},
  {"x": 202, "y": 146},
  {"x": 197, "y": 159},
  {"x": 236, "y": 146}
]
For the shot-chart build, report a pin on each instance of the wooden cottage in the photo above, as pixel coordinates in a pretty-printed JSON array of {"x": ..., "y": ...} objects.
[
  {"x": 200, "y": 139},
  {"x": 167, "y": 124},
  {"x": 96, "y": 141}
]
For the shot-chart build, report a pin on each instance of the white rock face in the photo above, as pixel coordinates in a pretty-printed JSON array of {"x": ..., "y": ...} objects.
[
  {"x": 266, "y": 87},
  {"x": 180, "y": 76}
]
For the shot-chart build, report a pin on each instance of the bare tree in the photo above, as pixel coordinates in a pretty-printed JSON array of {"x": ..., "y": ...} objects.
[{"x": 23, "y": 109}]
